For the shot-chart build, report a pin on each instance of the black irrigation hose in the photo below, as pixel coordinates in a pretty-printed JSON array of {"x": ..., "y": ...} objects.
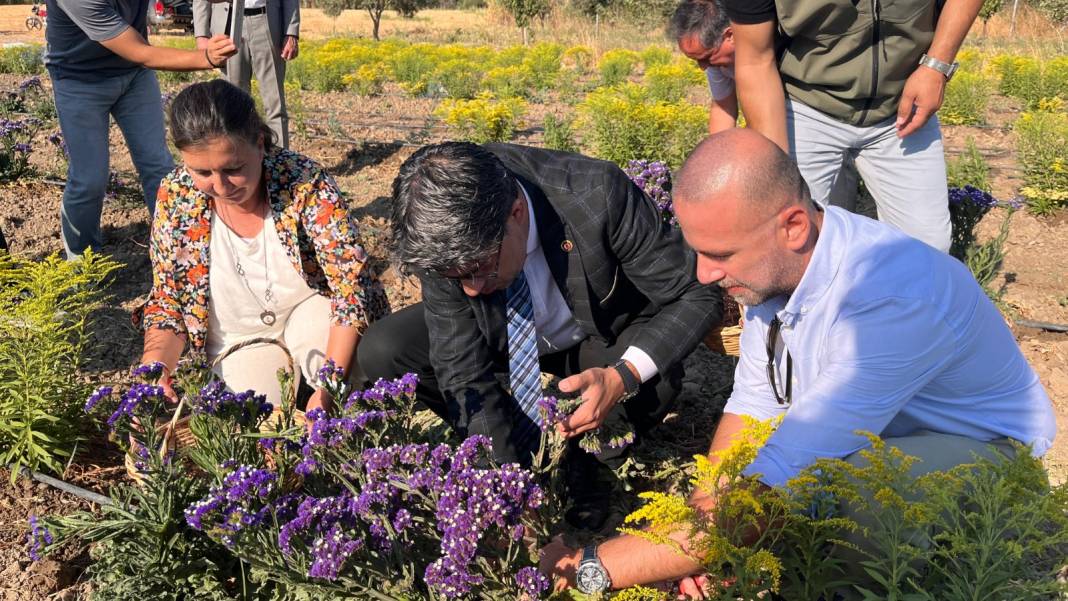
[
  {"x": 66, "y": 487},
  {"x": 1043, "y": 325}
]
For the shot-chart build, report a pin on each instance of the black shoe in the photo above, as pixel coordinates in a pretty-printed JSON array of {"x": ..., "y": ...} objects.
[{"x": 589, "y": 484}]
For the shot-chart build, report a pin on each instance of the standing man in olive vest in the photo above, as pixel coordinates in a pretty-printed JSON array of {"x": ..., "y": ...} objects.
[
  {"x": 269, "y": 37},
  {"x": 862, "y": 78}
]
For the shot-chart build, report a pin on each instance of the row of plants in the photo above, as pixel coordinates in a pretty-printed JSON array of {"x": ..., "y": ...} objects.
[{"x": 370, "y": 503}]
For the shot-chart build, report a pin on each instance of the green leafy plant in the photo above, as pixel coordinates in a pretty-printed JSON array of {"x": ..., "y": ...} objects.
[
  {"x": 966, "y": 99},
  {"x": 16, "y": 144},
  {"x": 991, "y": 529},
  {"x": 617, "y": 65},
  {"x": 509, "y": 81},
  {"x": 22, "y": 59},
  {"x": 670, "y": 82},
  {"x": 1042, "y": 147},
  {"x": 652, "y": 56},
  {"x": 457, "y": 78},
  {"x": 969, "y": 168},
  {"x": 559, "y": 133},
  {"x": 543, "y": 62},
  {"x": 411, "y": 68},
  {"x": 621, "y": 123},
  {"x": 482, "y": 119},
  {"x": 44, "y": 311}
]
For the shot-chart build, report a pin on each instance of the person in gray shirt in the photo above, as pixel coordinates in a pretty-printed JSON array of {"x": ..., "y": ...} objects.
[{"x": 101, "y": 67}]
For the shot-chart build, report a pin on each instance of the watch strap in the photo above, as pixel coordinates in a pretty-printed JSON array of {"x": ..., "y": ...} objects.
[
  {"x": 631, "y": 383},
  {"x": 589, "y": 553},
  {"x": 946, "y": 69}
]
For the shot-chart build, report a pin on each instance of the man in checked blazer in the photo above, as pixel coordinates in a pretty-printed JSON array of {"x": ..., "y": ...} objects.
[
  {"x": 616, "y": 304},
  {"x": 269, "y": 37}
]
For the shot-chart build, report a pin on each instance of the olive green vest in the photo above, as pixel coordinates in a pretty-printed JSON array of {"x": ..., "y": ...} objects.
[{"x": 850, "y": 59}]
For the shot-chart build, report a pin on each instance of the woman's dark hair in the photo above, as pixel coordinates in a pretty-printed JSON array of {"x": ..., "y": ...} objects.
[{"x": 207, "y": 110}]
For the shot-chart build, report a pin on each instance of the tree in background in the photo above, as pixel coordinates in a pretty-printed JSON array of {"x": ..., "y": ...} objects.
[
  {"x": 1056, "y": 11},
  {"x": 374, "y": 8},
  {"x": 524, "y": 11},
  {"x": 989, "y": 9}
]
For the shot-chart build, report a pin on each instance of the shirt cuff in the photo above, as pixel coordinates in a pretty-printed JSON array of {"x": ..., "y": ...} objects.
[{"x": 641, "y": 362}]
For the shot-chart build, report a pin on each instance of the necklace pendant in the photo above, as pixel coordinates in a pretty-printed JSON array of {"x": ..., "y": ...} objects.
[{"x": 267, "y": 317}]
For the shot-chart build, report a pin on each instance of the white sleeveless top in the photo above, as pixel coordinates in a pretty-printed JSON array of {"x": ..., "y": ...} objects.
[{"x": 233, "y": 309}]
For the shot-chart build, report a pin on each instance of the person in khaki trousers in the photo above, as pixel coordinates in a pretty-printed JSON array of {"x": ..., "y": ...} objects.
[{"x": 268, "y": 39}]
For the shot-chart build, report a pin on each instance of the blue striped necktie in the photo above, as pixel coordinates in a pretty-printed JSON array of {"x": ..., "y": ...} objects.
[{"x": 524, "y": 371}]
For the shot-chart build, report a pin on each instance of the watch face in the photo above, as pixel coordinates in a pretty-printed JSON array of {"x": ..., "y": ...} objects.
[{"x": 591, "y": 578}]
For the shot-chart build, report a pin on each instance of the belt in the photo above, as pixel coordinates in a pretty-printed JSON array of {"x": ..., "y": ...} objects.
[{"x": 252, "y": 12}]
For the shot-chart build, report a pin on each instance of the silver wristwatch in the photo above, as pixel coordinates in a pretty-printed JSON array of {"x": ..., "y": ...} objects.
[
  {"x": 591, "y": 577},
  {"x": 946, "y": 69}
]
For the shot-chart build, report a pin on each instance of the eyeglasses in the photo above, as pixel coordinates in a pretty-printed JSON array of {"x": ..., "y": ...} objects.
[
  {"x": 474, "y": 278},
  {"x": 773, "y": 337}
]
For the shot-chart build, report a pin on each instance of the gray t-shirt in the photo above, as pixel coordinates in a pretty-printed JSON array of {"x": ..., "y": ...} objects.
[{"x": 76, "y": 28}]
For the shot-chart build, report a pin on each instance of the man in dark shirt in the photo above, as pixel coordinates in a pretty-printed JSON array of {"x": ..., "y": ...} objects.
[
  {"x": 862, "y": 79},
  {"x": 101, "y": 67}
]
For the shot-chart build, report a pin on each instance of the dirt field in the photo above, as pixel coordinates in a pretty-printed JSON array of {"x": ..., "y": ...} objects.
[{"x": 362, "y": 144}]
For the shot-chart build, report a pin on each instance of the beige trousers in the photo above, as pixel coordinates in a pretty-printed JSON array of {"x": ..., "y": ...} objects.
[{"x": 305, "y": 334}]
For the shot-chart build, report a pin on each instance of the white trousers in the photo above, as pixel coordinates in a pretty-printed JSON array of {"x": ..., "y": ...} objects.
[
  {"x": 906, "y": 177},
  {"x": 256, "y": 366}
]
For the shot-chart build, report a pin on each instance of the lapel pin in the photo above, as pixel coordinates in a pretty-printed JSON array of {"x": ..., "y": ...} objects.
[{"x": 567, "y": 246}]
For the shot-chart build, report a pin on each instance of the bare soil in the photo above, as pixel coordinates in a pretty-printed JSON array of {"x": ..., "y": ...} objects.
[{"x": 363, "y": 144}]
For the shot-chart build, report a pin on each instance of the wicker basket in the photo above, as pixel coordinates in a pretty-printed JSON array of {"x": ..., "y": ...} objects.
[
  {"x": 725, "y": 337},
  {"x": 176, "y": 434}
]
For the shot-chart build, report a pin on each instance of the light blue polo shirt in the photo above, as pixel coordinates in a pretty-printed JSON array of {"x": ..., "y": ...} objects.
[{"x": 887, "y": 335}]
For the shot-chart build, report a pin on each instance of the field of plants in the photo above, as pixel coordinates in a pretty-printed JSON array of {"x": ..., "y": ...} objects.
[{"x": 379, "y": 502}]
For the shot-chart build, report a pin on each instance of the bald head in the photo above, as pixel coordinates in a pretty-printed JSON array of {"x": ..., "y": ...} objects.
[{"x": 761, "y": 177}]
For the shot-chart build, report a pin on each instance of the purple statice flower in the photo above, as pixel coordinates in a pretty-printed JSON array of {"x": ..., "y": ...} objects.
[
  {"x": 150, "y": 371},
  {"x": 620, "y": 441},
  {"x": 972, "y": 195},
  {"x": 470, "y": 503},
  {"x": 385, "y": 393},
  {"x": 401, "y": 520},
  {"x": 327, "y": 528},
  {"x": 330, "y": 551},
  {"x": 548, "y": 407},
  {"x": 654, "y": 178},
  {"x": 32, "y": 82},
  {"x": 332, "y": 432},
  {"x": 1015, "y": 203},
  {"x": 469, "y": 450},
  {"x": 56, "y": 139},
  {"x": 141, "y": 463},
  {"x": 98, "y": 395},
  {"x": 134, "y": 399},
  {"x": 38, "y": 538},
  {"x": 331, "y": 373},
  {"x": 232, "y": 505},
  {"x": 531, "y": 582},
  {"x": 22, "y": 148},
  {"x": 243, "y": 407},
  {"x": 413, "y": 454},
  {"x": 376, "y": 460}
]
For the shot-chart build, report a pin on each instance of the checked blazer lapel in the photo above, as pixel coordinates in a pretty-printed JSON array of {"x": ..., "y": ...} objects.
[{"x": 565, "y": 266}]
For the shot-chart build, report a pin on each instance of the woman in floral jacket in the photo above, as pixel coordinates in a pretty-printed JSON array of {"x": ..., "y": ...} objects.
[{"x": 250, "y": 240}]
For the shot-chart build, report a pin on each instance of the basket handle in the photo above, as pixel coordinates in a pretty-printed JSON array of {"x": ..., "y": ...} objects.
[
  {"x": 264, "y": 340},
  {"x": 169, "y": 430}
]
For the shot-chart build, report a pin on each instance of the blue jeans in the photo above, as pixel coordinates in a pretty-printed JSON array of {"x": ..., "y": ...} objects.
[{"x": 84, "y": 109}]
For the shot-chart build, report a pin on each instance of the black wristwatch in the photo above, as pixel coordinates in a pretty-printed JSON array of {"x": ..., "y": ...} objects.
[
  {"x": 630, "y": 383},
  {"x": 591, "y": 577}
]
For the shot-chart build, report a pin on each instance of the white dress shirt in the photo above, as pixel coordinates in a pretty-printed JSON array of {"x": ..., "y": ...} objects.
[
  {"x": 554, "y": 322},
  {"x": 887, "y": 335}
]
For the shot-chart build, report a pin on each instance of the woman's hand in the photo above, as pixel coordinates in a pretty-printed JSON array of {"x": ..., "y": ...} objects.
[{"x": 320, "y": 399}]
